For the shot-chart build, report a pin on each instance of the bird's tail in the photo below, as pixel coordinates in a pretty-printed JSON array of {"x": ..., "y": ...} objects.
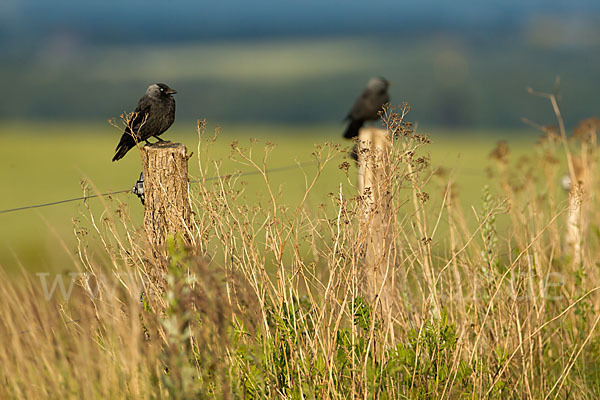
[
  {"x": 125, "y": 144},
  {"x": 353, "y": 128}
]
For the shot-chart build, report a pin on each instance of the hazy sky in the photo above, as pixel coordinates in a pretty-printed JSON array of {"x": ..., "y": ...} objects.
[
  {"x": 460, "y": 62},
  {"x": 159, "y": 19}
]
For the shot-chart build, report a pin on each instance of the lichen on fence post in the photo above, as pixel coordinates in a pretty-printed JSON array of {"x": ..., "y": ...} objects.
[
  {"x": 374, "y": 183},
  {"x": 166, "y": 189}
]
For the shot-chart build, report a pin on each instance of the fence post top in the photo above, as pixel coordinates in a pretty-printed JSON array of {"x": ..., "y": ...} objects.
[{"x": 164, "y": 145}]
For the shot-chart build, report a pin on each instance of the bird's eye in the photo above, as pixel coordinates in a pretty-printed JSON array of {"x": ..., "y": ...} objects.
[{"x": 162, "y": 90}]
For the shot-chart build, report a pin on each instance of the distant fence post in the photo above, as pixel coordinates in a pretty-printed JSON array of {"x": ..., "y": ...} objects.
[
  {"x": 374, "y": 183},
  {"x": 166, "y": 190},
  {"x": 573, "y": 234}
]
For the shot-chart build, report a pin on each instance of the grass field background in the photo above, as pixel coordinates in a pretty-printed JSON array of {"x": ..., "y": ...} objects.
[
  {"x": 493, "y": 286},
  {"x": 46, "y": 162}
]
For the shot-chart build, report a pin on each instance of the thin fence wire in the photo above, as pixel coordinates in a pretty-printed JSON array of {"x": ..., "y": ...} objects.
[
  {"x": 91, "y": 196},
  {"x": 470, "y": 171}
]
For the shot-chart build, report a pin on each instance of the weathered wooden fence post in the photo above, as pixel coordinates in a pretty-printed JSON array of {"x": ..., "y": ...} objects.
[
  {"x": 573, "y": 228},
  {"x": 579, "y": 183},
  {"x": 166, "y": 191},
  {"x": 374, "y": 183}
]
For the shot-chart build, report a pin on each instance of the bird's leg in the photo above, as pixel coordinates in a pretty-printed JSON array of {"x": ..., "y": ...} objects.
[{"x": 161, "y": 140}]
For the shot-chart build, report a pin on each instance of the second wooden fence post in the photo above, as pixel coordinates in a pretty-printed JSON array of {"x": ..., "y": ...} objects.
[{"x": 374, "y": 182}]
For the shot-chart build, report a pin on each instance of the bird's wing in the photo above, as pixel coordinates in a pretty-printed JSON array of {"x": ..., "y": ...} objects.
[
  {"x": 368, "y": 105},
  {"x": 360, "y": 107},
  {"x": 140, "y": 116}
]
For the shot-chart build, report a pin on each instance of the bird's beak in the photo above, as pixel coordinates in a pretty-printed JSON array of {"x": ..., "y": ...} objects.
[{"x": 172, "y": 91}]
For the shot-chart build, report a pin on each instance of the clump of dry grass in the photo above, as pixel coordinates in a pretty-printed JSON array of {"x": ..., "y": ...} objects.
[{"x": 271, "y": 303}]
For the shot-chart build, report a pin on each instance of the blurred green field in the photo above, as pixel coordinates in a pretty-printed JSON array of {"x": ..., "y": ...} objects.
[{"x": 44, "y": 162}]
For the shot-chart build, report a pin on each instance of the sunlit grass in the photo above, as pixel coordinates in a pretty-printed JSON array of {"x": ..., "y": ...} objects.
[
  {"x": 45, "y": 162},
  {"x": 272, "y": 300}
]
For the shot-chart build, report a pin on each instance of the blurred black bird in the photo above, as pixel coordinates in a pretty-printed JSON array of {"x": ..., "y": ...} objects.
[
  {"x": 153, "y": 115},
  {"x": 367, "y": 106}
]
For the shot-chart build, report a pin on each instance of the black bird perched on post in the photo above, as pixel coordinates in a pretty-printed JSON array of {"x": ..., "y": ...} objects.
[
  {"x": 153, "y": 115},
  {"x": 367, "y": 106}
]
